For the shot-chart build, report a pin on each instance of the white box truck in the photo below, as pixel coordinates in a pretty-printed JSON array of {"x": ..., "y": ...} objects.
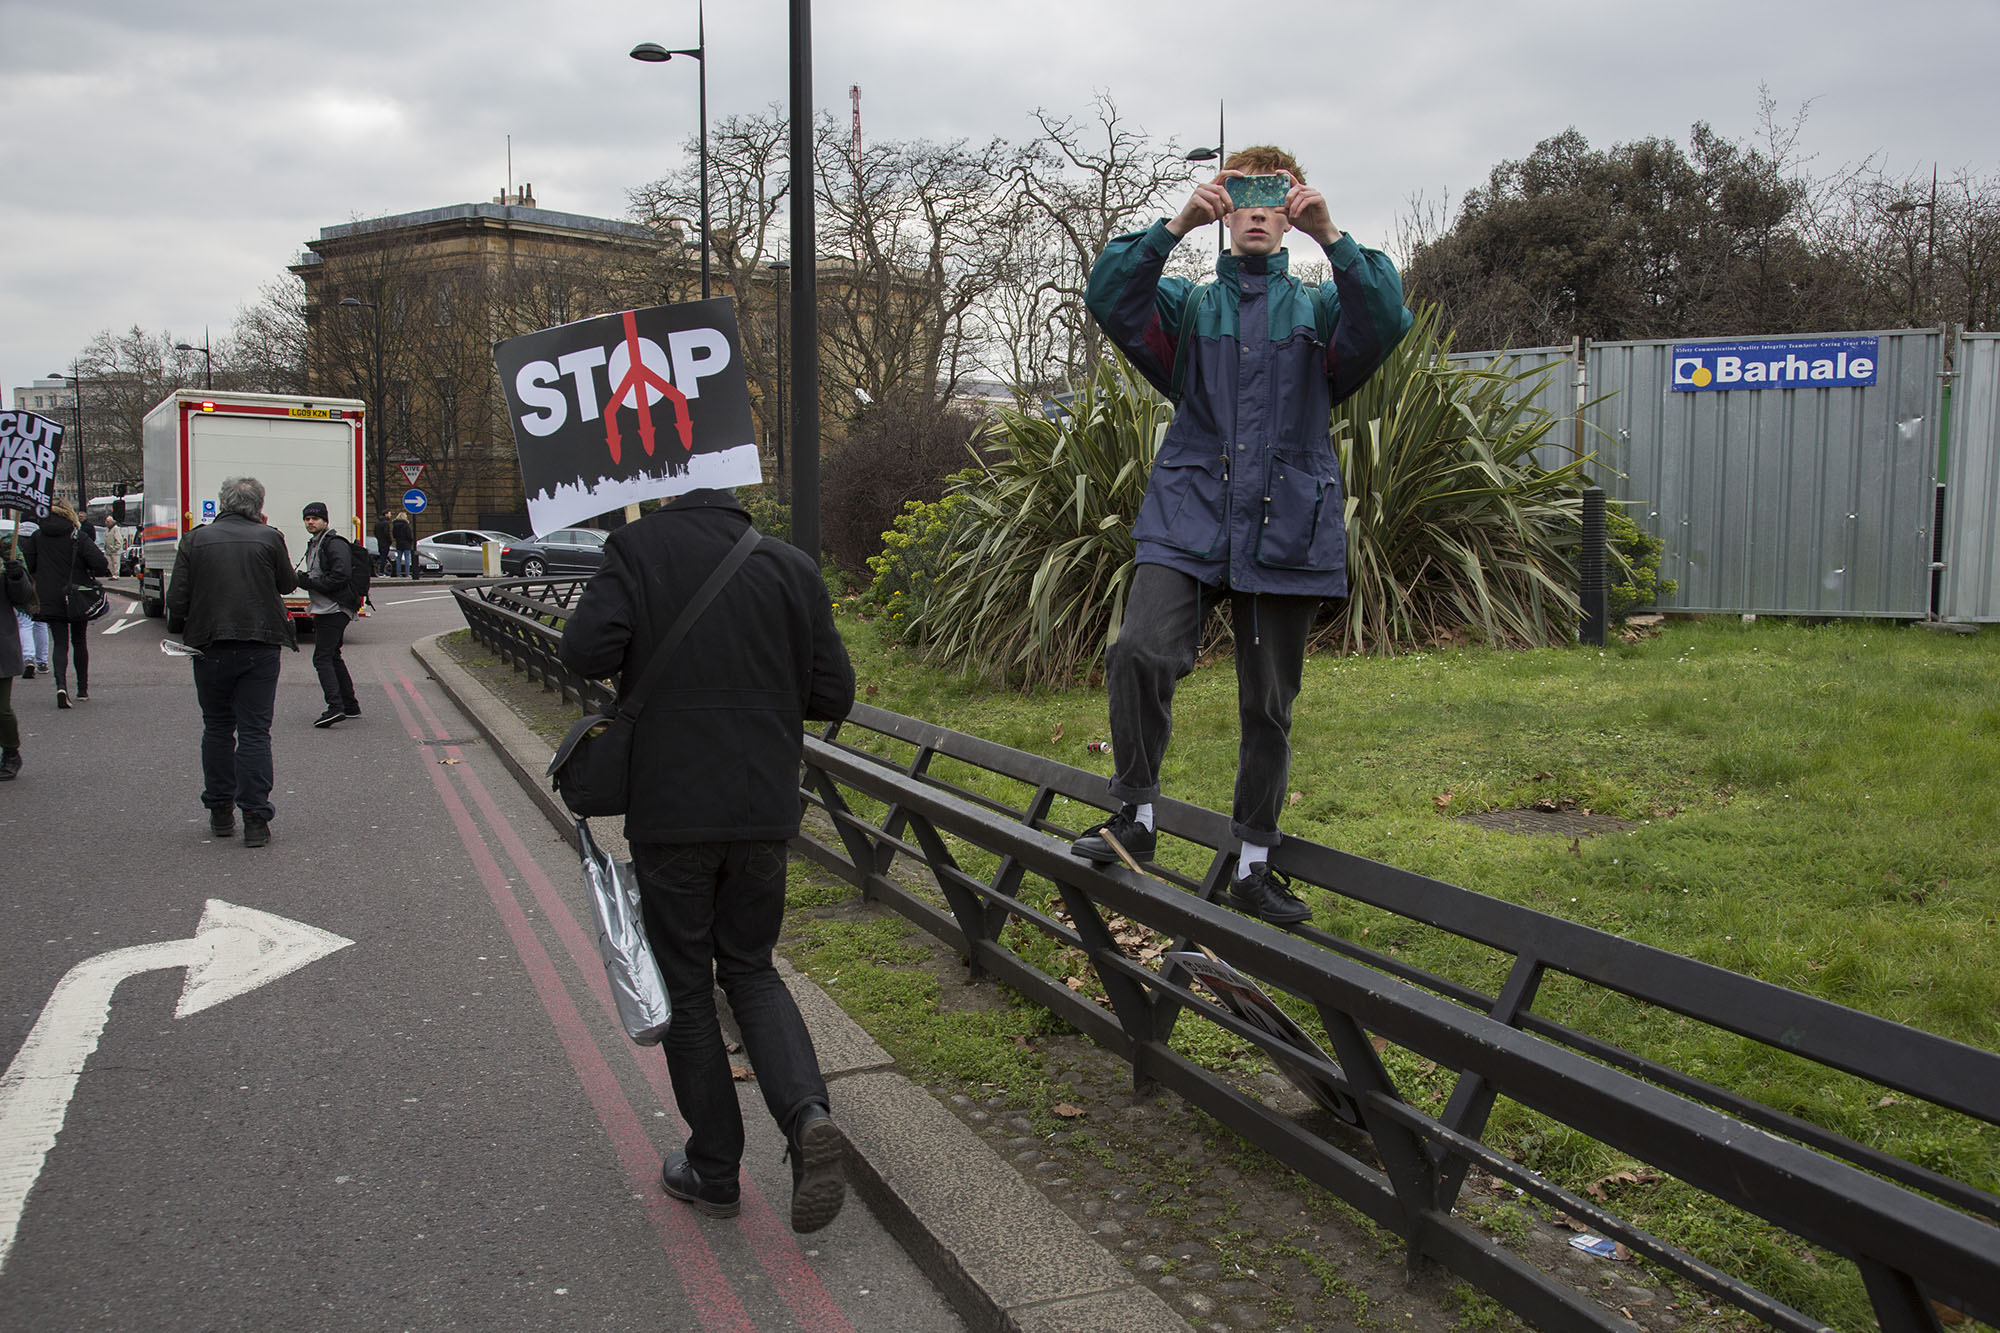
[{"x": 302, "y": 449}]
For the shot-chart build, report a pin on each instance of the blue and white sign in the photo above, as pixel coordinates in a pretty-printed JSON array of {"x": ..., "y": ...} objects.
[
  {"x": 414, "y": 501},
  {"x": 1775, "y": 363},
  {"x": 207, "y": 510}
]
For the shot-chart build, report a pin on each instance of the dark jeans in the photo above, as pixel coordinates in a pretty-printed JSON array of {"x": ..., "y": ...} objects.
[
  {"x": 712, "y": 915},
  {"x": 334, "y": 682},
  {"x": 10, "y": 726},
  {"x": 67, "y": 635},
  {"x": 1156, "y": 647},
  {"x": 237, "y": 684},
  {"x": 383, "y": 557}
]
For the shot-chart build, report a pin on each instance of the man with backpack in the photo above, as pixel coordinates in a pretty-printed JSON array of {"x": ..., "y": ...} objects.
[{"x": 333, "y": 567}]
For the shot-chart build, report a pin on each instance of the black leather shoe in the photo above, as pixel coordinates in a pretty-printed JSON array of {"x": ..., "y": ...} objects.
[
  {"x": 710, "y": 1200},
  {"x": 329, "y": 717},
  {"x": 256, "y": 832},
  {"x": 10, "y": 765},
  {"x": 1267, "y": 894},
  {"x": 1133, "y": 836},
  {"x": 819, "y": 1181},
  {"x": 222, "y": 823}
]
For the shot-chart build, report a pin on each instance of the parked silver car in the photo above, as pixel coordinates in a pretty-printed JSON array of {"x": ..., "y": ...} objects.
[{"x": 460, "y": 550}]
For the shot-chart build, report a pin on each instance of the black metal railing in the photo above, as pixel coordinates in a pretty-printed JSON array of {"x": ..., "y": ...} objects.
[{"x": 988, "y": 827}]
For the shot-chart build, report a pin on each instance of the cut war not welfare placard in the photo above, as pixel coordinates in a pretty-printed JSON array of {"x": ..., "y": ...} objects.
[
  {"x": 638, "y": 405},
  {"x": 30, "y": 447},
  {"x": 1776, "y": 363}
]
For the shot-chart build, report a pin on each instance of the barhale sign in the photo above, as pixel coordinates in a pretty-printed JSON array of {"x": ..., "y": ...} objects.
[
  {"x": 634, "y": 406},
  {"x": 1776, "y": 363},
  {"x": 30, "y": 446}
]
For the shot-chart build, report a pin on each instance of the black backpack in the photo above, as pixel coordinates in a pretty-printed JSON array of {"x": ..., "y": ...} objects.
[{"x": 359, "y": 568}]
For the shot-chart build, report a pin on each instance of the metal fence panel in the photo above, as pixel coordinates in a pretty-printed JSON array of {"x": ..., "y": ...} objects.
[
  {"x": 1555, "y": 392},
  {"x": 1778, "y": 501},
  {"x": 1971, "y": 585}
]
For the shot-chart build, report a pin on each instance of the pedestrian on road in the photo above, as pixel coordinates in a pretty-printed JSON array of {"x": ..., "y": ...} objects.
[
  {"x": 227, "y": 599},
  {"x": 17, "y": 593},
  {"x": 34, "y": 642},
  {"x": 406, "y": 546},
  {"x": 328, "y": 563},
  {"x": 385, "y": 541},
  {"x": 1244, "y": 500},
  {"x": 60, "y": 559},
  {"x": 715, "y": 799}
]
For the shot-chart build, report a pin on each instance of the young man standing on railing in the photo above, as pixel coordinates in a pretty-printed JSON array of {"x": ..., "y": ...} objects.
[{"x": 1245, "y": 497}]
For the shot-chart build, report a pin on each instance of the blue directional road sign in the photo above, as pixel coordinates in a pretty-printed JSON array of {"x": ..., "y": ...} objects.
[{"x": 414, "y": 501}]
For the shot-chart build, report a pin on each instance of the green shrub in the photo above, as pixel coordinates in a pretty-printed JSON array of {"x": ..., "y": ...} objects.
[
  {"x": 1041, "y": 551},
  {"x": 770, "y": 509},
  {"x": 914, "y": 553},
  {"x": 1452, "y": 526},
  {"x": 1635, "y": 554}
]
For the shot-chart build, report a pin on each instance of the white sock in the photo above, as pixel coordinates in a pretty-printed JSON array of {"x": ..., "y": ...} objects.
[
  {"x": 1144, "y": 814},
  {"x": 1250, "y": 858}
]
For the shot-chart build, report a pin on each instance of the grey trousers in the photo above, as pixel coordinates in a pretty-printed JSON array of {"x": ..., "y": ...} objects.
[{"x": 1156, "y": 647}]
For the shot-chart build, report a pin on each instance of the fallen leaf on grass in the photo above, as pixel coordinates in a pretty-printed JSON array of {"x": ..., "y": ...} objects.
[
  {"x": 1886, "y": 1101},
  {"x": 1295, "y": 798},
  {"x": 1947, "y": 1315},
  {"x": 1441, "y": 800},
  {"x": 1068, "y": 1112},
  {"x": 1058, "y": 733},
  {"x": 1380, "y": 1044},
  {"x": 1565, "y": 1220},
  {"x": 1641, "y": 1176}
]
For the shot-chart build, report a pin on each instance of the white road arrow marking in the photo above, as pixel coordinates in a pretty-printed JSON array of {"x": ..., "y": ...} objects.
[
  {"x": 122, "y": 624},
  {"x": 234, "y": 951}
]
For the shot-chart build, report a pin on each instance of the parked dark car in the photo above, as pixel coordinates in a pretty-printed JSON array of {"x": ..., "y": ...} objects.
[{"x": 564, "y": 551}]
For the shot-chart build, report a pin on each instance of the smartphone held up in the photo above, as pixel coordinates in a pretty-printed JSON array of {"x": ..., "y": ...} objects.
[{"x": 1262, "y": 191}]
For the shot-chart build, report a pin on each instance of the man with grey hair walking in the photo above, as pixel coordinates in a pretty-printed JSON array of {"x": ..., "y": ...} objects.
[{"x": 227, "y": 599}]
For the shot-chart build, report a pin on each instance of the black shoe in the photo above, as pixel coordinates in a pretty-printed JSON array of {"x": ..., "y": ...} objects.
[
  {"x": 351, "y": 710},
  {"x": 710, "y": 1200},
  {"x": 329, "y": 717},
  {"x": 1267, "y": 894},
  {"x": 82, "y": 695},
  {"x": 222, "y": 823},
  {"x": 62, "y": 698},
  {"x": 256, "y": 832},
  {"x": 1133, "y": 836},
  {"x": 819, "y": 1182},
  {"x": 10, "y": 765},
  {"x": 28, "y": 671}
]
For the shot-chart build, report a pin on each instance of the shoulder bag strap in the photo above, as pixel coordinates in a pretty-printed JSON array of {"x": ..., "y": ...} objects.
[{"x": 634, "y": 703}]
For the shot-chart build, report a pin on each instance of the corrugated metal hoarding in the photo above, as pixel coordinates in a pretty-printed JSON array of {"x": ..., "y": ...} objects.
[
  {"x": 1971, "y": 584},
  {"x": 1773, "y": 495}
]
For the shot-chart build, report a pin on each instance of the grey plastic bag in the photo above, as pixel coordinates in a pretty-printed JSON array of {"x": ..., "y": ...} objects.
[{"x": 636, "y": 987}]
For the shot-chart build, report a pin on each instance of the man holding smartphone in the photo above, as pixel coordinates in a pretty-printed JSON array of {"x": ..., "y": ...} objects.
[{"x": 1245, "y": 499}]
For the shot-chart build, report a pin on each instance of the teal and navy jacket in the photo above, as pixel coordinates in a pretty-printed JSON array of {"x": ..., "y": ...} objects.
[{"x": 1245, "y": 493}]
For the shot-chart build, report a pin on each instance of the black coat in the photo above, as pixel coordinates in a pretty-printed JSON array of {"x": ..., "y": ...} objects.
[
  {"x": 229, "y": 582},
  {"x": 58, "y": 557},
  {"x": 715, "y": 757}
]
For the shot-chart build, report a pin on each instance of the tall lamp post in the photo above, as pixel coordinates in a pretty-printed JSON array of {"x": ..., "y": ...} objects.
[
  {"x": 1904, "y": 207},
  {"x": 375, "y": 429},
  {"x": 76, "y": 402},
  {"x": 654, "y": 53},
  {"x": 1218, "y": 155},
  {"x": 207, "y": 359},
  {"x": 781, "y": 275}
]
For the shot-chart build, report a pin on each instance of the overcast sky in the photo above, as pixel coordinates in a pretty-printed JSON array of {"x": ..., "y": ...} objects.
[{"x": 163, "y": 159}]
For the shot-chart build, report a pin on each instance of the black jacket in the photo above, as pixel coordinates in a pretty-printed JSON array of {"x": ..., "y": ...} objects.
[
  {"x": 58, "y": 557},
  {"x": 229, "y": 582},
  {"x": 401, "y": 532},
  {"x": 715, "y": 757}
]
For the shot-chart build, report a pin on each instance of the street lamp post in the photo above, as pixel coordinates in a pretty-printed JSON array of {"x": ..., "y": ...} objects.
[
  {"x": 76, "y": 402},
  {"x": 1904, "y": 207},
  {"x": 654, "y": 53},
  {"x": 1218, "y": 155},
  {"x": 374, "y": 430},
  {"x": 207, "y": 359},
  {"x": 781, "y": 274}
]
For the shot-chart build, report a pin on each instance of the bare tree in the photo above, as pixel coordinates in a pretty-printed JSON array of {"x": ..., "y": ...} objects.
[{"x": 265, "y": 351}]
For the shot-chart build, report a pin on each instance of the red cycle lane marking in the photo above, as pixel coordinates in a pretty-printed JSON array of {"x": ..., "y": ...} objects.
[
  {"x": 770, "y": 1238},
  {"x": 681, "y": 1238}
]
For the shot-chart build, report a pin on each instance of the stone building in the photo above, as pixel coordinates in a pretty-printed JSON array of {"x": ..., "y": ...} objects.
[{"x": 403, "y": 311}]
